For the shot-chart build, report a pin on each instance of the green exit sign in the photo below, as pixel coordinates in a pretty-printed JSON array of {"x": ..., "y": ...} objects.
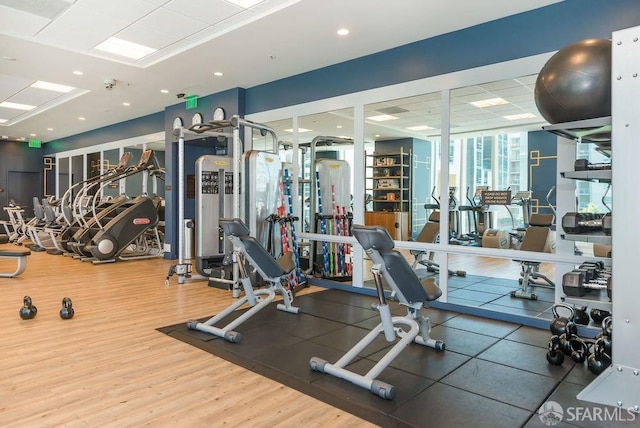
[
  {"x": 191, "y": 102},
  {"x": 35, "y": 143}
]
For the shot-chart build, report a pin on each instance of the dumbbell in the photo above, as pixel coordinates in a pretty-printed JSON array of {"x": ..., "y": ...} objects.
[
  {"x": 585, "y": 165},
  {"x": 573, "y": 222},
  {"x": 598, "y": 264},
  {"x": 574, "y": 283}
]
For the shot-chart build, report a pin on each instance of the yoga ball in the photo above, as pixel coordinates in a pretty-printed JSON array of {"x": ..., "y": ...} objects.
[{"x": 575, "y": 83}]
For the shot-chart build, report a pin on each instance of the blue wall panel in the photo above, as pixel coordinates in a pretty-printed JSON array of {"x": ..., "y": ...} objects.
[
  {"x": 529, "y": 33},
  {"x": 120, "y": 131}
]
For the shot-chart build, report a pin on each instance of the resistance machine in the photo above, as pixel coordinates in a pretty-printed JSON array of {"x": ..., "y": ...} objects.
[{"x": 408, "y": 290}]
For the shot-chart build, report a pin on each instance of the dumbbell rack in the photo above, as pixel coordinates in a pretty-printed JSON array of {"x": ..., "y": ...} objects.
[{"x": 619, "y": 385}]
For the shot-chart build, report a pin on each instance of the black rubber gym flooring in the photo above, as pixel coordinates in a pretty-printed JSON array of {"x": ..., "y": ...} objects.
[{"x": 492, "y": 374}]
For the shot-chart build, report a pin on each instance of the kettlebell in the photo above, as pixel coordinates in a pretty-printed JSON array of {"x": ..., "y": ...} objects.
[
  {"x": 580, "y": 350},
  {"x": 581, "y": 316},
  {"x": 28, "y": 311},
  {"x": 598, "y": 361},
  {"x": 66, "y": 312},
  {"x": 597, "y": 315},
  {"x": 605, "y": 335},
  {"x": 563, "y": 325},
  {"x": 554, "y": 354}
]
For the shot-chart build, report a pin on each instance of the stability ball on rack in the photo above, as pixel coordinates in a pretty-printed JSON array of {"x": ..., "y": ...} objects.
[{"x": 575, "y": 83}]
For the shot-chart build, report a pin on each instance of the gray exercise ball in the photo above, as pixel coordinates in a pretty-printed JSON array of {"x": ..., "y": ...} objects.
[{"x": 575, "y": 83}]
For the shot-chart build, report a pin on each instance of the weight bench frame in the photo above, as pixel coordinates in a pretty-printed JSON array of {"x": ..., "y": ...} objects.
[
  {"x": 20, "y": 256},
  {"x": 410, "y": 292},
  {"x": 429, "y": 234},
  {"x": 247, "y": 249},
  {"x": 535, "y": 239}
]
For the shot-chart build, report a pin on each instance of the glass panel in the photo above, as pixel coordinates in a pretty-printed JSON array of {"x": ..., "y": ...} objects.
[
  {"x": 134, "y": 183},
  {"x": 110, "y": 159},
  {"x": 402, "y": 142},
  {"x": 63, "y": 176},
  {"x": 402, "y": 170},
  {"x": 489, "y": 282},
  {"x": 489, "y": 155},
  {"x": 156, "y": 181},
  {"x": 326, "y": 159},
  {"x": 77, "y": 169}
]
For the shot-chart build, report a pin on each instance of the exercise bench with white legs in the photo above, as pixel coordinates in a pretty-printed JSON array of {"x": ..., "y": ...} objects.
[
  {"x": 21, "y": 258},
  {"x": 247, "y": 248},
  {"x": 408, "y": 290}
]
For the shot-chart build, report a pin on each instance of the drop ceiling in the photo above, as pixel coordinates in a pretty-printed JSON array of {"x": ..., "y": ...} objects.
[{"x": 47, "y": 40}]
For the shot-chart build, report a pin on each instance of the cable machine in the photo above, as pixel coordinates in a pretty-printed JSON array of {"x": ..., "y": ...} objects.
[{"x": 218, "y": 185}]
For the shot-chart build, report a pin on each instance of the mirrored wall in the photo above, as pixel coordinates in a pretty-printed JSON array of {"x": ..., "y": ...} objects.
[{"x": 457, "y": 200}]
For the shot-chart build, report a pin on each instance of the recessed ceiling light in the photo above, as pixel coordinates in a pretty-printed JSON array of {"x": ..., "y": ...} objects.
[
  {"x": 164, "y": 91},
  {"x": 382, "y": 118},
  {"x": 3, "y": 121},
  {"x": 78, "y": 73},
  {"x": 49, "y": 129},
  {"x": 491, "y": 102},
  {"x": 126, "y": 104},
  {"x": 32, "y": 135},
  {"x": 218, "y": 73},
  {"x": 339, "y": 126},
  {"x": 8, "y": 58},
  {"x": 299, "y": 130},
  {"x": 419, "y": 128},
  {"x": 16, "y": 106},
  {"x": 520, "y": 116},
  {"x": 81, "y": 118},
  {"x": 124, "y": 48},
  {"x": 245, "y": 3},
  {"x": 55, "y": 87},
  {"x": 343, "y": 32}
]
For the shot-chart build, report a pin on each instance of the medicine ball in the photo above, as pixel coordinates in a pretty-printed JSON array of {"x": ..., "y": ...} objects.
[{"x": 575, "y": 83}]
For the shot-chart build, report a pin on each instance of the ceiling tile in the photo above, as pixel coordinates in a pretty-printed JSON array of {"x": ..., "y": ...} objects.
[
  {"x": 34, "y": 97},
  {"x": 151, "y": 37},
  {"x": 11, "y": 85},
  {"x": 179, "y": 26},
  {"x": 9, "y": 113},
  {"x": 87, "y": 31},
  {"x": 209, "y": 11},
  {"x": 20, "y": 24}
]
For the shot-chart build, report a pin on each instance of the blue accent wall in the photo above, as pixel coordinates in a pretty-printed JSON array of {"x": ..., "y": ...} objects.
[
  {"x": 525, "y": 34},
  {"x": 132, "y": 128}
]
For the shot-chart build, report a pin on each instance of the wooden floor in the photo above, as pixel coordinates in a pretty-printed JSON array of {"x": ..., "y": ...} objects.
[{"x": 108, "y": 366}]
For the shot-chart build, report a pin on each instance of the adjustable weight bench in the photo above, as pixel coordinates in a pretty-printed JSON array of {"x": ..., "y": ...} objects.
[
  {"x": 247, "y": 249},
  {"x": 429, "y": 234},
  {"x": 410, "y": 292},
  {"x": 536, "y": 239},
  {"x": 20, "y": 256}
]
